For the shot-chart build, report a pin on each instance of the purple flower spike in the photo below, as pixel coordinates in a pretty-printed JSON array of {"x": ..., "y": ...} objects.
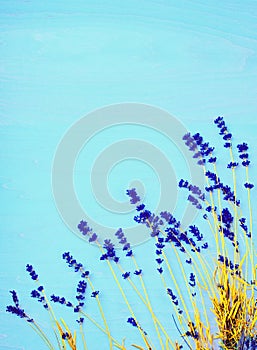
[
  {"x": 126, "y": 275},
  {"x": 134, "y": 198},
  {"x": 78, "y": 267},
  {"x": 32, "y": 272},
  {"x": 87, "y": 231},
  {"x": 93, "y": 238},
  {"x": 192, "y": 280},
  {"x": 140, "y": 207},
  {"x": 248, "y": 185},
  {"x": 15, "y": 297},
  {"x": 132, "y": 321},
  {"x": 172, "y": 296},
  {"x": 242, "y": 147},
  {"x": 94, "y": 294},
  {"x": 232, "y": 165},
  {"x": 227, "y": 136},
  {"x": 83, "y": 227},
  {"x": 80, "y": 320},
  {"x": 16, "y": 310},
  {"x": 246, "y": 163}
]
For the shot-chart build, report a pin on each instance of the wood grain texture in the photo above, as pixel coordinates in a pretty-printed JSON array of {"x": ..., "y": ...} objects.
[{"x": 62, "y": 59}]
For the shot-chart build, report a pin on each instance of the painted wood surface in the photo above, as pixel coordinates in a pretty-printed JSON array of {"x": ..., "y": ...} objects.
[{"x": 60, "y": 60}]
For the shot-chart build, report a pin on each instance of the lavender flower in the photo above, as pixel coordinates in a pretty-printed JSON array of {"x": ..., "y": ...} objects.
[
  {"x": 61, "y": 300},
  {"x": 15, "y": 297},
  {"x": 248, "y": 185},
  {"x": 94, "y": 294},
  {"x": 80, "y": 320},
  {"x": 17, "y": 310},
  {"x": 87, "y": 231},
  {"x": 73, "y": 263},
  {"x": 195, "y": 190},
  {"x": 172, "y": 296},
  {"x": 134, "y": 198},
  {"x": 227, "y": 136},
  {"x": 202, "y": 150},
  {"x": 150, "y": 220},
  {"x": 126, "y": 275},
  {"x": 132, "y": 321},
  {"x": 232, "y": 165},
  {"x": 123, "y": 241},
  {"x": 110, "y": 251},
  {"x": 32, "y": 272},
  {"x": 37, "y": 295},
  {"x": 192, "y": 280}
]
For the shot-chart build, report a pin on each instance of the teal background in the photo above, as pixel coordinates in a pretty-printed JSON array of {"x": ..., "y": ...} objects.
[{"x": 62, "y": 59}]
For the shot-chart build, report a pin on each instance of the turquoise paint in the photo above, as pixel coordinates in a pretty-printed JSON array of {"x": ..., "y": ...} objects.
[{"x": 61, "y": 60}]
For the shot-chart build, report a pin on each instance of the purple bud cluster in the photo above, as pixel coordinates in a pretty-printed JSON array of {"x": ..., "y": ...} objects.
[
  {"x": 123, "y": 241},
  {"x": 87, "y": 231},
  {"x": 159, "y": 245},
  {"x": 205, "y": 148},
  {"x": 81, "y": 290},
  {"x": 202, "y": 150},
  {"x": 15, "y": 298},
  {"x": 242, "y": 222},
  {"x": 126, "y": 275},
  {"x": 159, "y": 262},
  {"x": 94, "y": 293},
  {"x": 134, "y": 198},
  {"x": 81, "y": 287},
  {"x": 80, "y": 320},
  {"x": 132, "y": 321},
  {"x": 179, "y": 237},
  {"x": 61, "y": 300},
  {"x": 174, "y": 299},
  {"x": 243, "y": 155},
  {"x": 192, "y": 282},
  {"x": 225, "y": 189},
  {"x": 248, "y": 185},
  {"x": 31, "y": 272},
  {"x": 73, "y": 263},
  {"x": 170, "y": 219},
  {"x": 37, "y": 294},
  {"x": 195, "y": 190},
  {"x": 18, "y": 312},
  {"x": 228, "y": 263},
  {"x": 194, "y": 201},
  {"x": 110, "y": 253},
  {"x": 227, "y": 136},
  {"x": 149, "y": 219},
  {"x": 16, "y": 309},
  {"x": 232, "y": 165},
  {"x": 173, "y": 296},
  {"x": 66, "y": 335},
  {"x": 226, "y": 220},
  {"x": 192, "y": 331}
]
